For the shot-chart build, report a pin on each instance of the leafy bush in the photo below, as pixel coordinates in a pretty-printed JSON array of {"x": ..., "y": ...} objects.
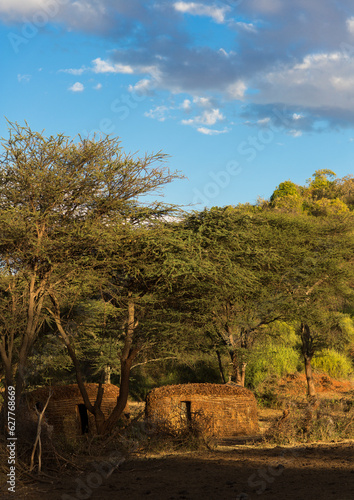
[
  {"x": 271, "y": 361},
  {"x": 333, "y": 363}
]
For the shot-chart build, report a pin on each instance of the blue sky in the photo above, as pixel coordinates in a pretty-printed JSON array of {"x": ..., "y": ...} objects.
[{"x": 242, "y": 94}]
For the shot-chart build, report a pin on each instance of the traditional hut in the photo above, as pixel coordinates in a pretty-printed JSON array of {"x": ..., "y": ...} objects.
[
  {"x": 66, "y": 410},
  {"x": 218, "y": 410}
]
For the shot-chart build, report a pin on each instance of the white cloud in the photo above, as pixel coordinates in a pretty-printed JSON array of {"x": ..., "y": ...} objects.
[
  {"x": 203, "y": 102},
  {"x": 295, "y": 133},
  {"x": 226, "y": 54},
  {"x": 23, "y": 78},
  {"x": 209, "y": 117},
  {"x": 237, "y": 90},
  {"x": 157, "y": 113},
  {"x": 209, "y": 131},
  {"x": 264, "y": 121},
  {"x": 246, "y": 26},
  {"x": 101, "y": 66},
  {"x": 142, "y": 87},
  {"x": 15, "y": 7},
  {"x": 73, "y": 71},
  {"x": 310, "y": 83},
  {"x": 350, "y": 25},
  {"x": 98, "y": 86},
  {"x": 186, "y": 105},
  {"x": 199, "y": 9},
  {"x": 77, "y": 87}
]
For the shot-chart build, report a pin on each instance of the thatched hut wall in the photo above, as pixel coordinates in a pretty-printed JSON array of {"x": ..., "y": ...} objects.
[
  {"x": 66, "y": 411},
  {"x": 219, "y": 410}
]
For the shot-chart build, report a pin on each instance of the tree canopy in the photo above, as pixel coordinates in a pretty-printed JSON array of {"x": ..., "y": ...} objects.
[{"x": 89, "y": 265}]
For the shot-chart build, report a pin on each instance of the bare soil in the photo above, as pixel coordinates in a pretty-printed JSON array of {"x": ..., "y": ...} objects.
[
  {"x": 318, "y": 471},
  {"x": 230, "y": 471}
]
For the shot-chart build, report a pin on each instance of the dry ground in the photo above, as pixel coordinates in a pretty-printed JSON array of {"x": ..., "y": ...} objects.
[
  {"x": 234, "y": 472},
  {"x": 321, "y": 471}
]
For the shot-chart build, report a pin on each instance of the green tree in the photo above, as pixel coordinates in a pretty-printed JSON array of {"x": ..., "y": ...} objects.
[
  {"x": 318, "y": 279},
  {"x": 60, "y": 200},
  {"x": 234, "y": 288}
]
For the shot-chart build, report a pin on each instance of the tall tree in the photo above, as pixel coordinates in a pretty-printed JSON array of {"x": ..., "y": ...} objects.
[
  {"x": 231, "y": 292},
  {"x": 59, "y": 200}
]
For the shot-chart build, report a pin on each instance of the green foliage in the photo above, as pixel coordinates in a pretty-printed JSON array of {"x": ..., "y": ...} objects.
[
  {"x": 320, "y": 179},
  {"x": 286, "y": 188},
  {"x": 272, "y": 360},
  {"x": 281, "y": 333},
  {"x": 187, "y": 368},
  {"x": 65, "y": 206},
  {"x": 327, "y": 207},
  {"x": 334, "y": 363}
]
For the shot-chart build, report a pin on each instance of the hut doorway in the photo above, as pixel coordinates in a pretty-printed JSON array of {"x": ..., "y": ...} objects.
[
  {"x": 84, "y": 422},
  {"x": 186, "y": 412}
]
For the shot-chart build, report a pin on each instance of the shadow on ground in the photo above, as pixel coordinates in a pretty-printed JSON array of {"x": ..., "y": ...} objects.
[{"x": 282, "y": 473}]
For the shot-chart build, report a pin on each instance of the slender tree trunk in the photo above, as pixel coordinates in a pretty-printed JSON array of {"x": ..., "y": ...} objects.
[
  {"x": 243, "y": 374},
  {"x": 311, "y": 391},
  {"x": 220, "y": 367},
  {"x": 308, "y": 352},
  {"x": 236, "y": 374},
  {"x": 126, "y": 360},
  {"x": 95, "y": 409},
  {"x": 107, "y": 374},
  {"x": 238, "y": 378}
]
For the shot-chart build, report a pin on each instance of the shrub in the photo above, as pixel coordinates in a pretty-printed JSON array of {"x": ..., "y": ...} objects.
[
  {"x": 271, "y": 361},
  {"x": 313, "y": 421},
  {"x": 333, "y": 363}
]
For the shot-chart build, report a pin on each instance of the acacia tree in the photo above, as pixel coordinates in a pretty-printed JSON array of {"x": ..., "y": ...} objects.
[
  {"x": 257, "y": 266},
  {"x": 59, "y": 200},
  {"x": 316, "y": 279},
  {"x": 229, "y": 292}
]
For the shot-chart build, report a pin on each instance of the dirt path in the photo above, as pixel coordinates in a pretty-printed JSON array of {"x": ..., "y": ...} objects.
[{"x": 321, "y": 471}]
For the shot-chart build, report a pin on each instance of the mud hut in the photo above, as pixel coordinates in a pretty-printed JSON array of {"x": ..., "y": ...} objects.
[
  {"x": 66, "y": 410},
  {"x": 218, "y": 410}
]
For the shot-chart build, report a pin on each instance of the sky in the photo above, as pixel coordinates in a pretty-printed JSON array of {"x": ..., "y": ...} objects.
[{"x": 241, "y": 94}]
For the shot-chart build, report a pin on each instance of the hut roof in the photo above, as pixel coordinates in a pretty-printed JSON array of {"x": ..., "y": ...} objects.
[
  {"x": 72, "y": 391},
  {"x": 200, "y": 389}
]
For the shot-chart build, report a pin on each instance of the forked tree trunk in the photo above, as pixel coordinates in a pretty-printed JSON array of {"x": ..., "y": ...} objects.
[{"x": 127, "y": 357}]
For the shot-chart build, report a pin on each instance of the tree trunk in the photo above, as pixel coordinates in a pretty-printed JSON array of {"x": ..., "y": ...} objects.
[
  {"x": 123, "y": 395},
  {"x": 237, "y": 369},
  {"x": 107, "y": 374},
  {"x": 220, "y": 367},
  {"x": 311, "y": 391},
  {"x": 243, "y": 374},
  {"x": 128, "y": 355},
  {"x": 308, "y": 350},
  {"x": 126, "y": 360}
]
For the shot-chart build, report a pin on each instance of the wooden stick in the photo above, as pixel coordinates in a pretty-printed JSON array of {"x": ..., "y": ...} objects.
[{"x": 38, "y": 437}]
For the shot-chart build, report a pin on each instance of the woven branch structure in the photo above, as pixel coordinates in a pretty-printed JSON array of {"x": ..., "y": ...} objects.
[
  {"x": 215, "y": 409},
  {"x": 66, "y": 411}
]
